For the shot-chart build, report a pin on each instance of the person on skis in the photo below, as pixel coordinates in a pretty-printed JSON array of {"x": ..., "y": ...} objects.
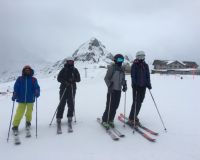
[
  {"x": 68, "y": 77},
  {"x": 140, "y": 77},
  {"x": 26, "y": 89},
  {"x": 115, "y": 81}
]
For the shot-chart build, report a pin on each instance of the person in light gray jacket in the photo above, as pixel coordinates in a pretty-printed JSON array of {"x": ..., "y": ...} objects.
[{"x": 115, "y": 81}]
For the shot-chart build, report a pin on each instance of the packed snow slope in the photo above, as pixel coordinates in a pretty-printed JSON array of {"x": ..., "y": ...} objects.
[{"x": 177, "y": 100}]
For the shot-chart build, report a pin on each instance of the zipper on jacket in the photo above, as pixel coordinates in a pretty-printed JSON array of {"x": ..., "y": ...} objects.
[{"x": 25, "y": 89}]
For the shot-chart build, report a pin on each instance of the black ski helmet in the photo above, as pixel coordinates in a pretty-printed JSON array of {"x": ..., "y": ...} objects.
[{"x": 118, "y": 58}]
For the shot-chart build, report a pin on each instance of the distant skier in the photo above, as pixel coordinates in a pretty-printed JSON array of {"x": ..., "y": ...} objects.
[
  {"x": 26, "y": 88},
  {"x": 68, "y": 77},
  {"x": 115, "y": 81},
  {"x": 140, "y": 81}
]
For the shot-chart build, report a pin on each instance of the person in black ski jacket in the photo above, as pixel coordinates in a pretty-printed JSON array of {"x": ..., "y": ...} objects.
[
  {"x": 115, "y": 81},
  {"x": 68, "y": 77},
  {"x": 140, "y": 77}
]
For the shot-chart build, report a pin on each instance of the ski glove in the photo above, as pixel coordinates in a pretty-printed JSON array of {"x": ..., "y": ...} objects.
[
  {"x": 37, "y": 94},
  {"x": 149, "y": 87},
  {"x": 124, "y": 89},
  {"x": 14, "y": 96},
  {"x": 134, "y": 86}
]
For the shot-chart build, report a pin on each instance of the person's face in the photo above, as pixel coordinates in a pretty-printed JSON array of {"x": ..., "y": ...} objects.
[{"x": 27, "y": 71}]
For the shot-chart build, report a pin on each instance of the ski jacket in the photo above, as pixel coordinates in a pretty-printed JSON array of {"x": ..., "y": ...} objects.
[
  {"x": 68, "y": 76},
  {"x": 140, "y": 74},
  {"x": 115, "y": 77},
  {"x": 26, "y": 88}
]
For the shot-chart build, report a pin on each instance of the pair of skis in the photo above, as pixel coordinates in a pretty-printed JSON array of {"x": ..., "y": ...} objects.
[
  {"x": 59, "y": 129},
  {"x": 138, "y": 128},
  {"x": 114, "y": 133},
  {"x": 17, "y": 140}
]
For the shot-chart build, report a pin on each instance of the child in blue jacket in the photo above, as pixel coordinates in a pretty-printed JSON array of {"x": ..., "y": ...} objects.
[{"x": 26, "y": 88}]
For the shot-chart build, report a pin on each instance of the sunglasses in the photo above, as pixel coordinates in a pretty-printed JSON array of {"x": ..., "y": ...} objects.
[{"x": 120, "y": 60}]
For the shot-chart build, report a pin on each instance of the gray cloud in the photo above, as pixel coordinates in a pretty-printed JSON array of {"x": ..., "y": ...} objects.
[{"x": 167, "y": 29}]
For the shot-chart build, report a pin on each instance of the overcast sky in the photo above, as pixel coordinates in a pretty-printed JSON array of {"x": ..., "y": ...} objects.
[{"x": 54, "y": 29}]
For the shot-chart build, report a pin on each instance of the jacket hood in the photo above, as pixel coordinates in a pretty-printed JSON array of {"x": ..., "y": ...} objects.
[{"x": 23, "y": 71}]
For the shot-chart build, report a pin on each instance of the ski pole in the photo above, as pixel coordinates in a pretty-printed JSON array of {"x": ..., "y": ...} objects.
[
  {"x": 58, "y": 106},
  {"x": 124, "y": 108},
  {"x": 36, "y": 119},
  {"x": 157, "y": 110},
  {"x": 73, "y": 103},
  {"x": 10, "y": 120}
]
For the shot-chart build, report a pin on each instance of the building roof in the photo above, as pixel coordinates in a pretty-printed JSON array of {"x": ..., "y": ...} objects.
[
  {"x": 167, "y": 62},
  {"x": 189, "y": 63},
  {"x": 159, "y": 62}
]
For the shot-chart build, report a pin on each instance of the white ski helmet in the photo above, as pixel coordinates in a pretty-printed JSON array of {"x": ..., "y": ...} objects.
[
  {"x": 140, "y": 55},
  {"x": 69, "y": 59}
]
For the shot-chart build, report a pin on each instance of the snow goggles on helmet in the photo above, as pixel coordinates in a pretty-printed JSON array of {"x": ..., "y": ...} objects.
[{"x": 120, "y": 59}]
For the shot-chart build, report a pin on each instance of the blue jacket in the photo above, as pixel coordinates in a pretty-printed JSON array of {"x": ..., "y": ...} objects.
[
  {"x": 26, "y": 88},
  {"x": 140, "y": 74}
]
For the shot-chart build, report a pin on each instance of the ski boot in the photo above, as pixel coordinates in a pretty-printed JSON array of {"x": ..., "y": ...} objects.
[
  {"x": 133, "y": 122},
  {"x": 28, "y": 127},
  {"x": 59, "y": 130},
  {"x": 70, "y": 124},
  {"x": 16, "y": 135},
  {"x": 105, "y": 125},
  {"x": 111, "y": 123},
  {"x": 15, "y": 130}
]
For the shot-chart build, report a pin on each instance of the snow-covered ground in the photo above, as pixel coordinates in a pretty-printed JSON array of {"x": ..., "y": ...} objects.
[{"x": 177, "y": 100}]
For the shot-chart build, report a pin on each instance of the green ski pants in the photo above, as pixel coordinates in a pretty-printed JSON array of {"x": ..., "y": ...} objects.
[{"x": 22, "y": 107}]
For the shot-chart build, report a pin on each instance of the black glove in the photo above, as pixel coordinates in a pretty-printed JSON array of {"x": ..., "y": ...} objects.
[
  {"x": 14, "y": 96},
  {"x": 149, "y": 87},
  {"x": 37, "y": 94},
  {"x": 134, "y": 86},
  {"x": 124, "y": 88}
]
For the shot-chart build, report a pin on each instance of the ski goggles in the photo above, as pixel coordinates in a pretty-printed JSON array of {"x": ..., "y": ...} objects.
[{"x": 120, "y": 59}]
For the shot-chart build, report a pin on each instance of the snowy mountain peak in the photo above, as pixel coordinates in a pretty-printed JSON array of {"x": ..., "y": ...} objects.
[
  {"x": 95, "y": 42},
  {"x": 92, "y": 51}
]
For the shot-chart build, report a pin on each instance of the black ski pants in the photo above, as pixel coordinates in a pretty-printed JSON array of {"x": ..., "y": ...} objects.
[
  {"x": 138, "y": 97},
  {"x": 66, "y": 96},
  {"x": 113, "y": 99}
]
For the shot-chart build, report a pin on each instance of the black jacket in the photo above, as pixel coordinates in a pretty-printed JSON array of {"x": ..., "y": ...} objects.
[
  {"x": 140, "y": 74},
  {"x": 68, "y": 76}
]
